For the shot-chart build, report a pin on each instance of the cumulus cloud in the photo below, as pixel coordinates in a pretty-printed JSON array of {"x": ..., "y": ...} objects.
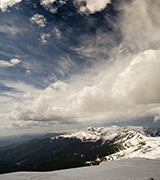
[
  {"x": 116, "y": 93},
  {"x": 156, "y": 118},
  {"x": 12, "y": 93},
  {"x": 44, "y": 37},
  {"x": 47, "y": 104},
  {"x": 5, "y": 3},
  {"x": 48, "y": 5},
  {"x": 139, "y": 82},
  {"x": 130, "y": 94},
  {"x": 55, "y": 32},
  {"x": 12, "y": 63},
  {"x": 38, "y": 19},
  {"x": 84, "y": 6},
  {"x": 47, "y": 2},
  {"x": 91, "y": 6}
]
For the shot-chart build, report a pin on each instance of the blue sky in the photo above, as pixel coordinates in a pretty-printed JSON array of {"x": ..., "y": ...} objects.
[{"x": 70, "y": 63}]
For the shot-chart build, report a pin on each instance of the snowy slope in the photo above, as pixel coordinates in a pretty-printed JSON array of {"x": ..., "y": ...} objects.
[
  {"x": 130, "y": 169},
  {"x": 137, "y": 145}
]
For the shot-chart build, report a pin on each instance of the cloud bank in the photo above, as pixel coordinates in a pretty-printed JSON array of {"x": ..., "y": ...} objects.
[{"x": 133, "y": 90}]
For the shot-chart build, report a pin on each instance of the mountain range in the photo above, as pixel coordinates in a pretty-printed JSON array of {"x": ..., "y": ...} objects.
[{"x": 84, "y": 147}]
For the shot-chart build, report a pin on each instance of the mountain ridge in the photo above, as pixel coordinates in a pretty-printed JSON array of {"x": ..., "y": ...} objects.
[
  {"x": 93, "y": 134},
  {"x": 134, "y": 141},
  {"x": 84, "y": 147}
]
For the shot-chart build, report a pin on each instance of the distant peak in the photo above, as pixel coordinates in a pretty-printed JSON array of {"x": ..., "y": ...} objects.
[{"x": 91, "y": 129}]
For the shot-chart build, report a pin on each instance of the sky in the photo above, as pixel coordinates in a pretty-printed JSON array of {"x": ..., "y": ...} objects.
[{"x": 68, "y": 64}]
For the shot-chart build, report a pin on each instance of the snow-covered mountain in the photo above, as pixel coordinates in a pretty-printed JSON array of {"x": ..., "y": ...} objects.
[
  {"x": 109, "y": 133},
  {"x": 135, "y": 144},
  {"x": 85, "y": 147},
  {"x": 134, "y": 141}
]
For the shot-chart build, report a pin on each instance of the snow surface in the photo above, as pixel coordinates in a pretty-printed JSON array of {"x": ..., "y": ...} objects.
[{"x": 129, "y": 169}]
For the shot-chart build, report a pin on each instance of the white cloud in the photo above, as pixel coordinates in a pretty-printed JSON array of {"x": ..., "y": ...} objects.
[
  {"x": 156, "y": 112},
  {"x": 8, "y": 99},
  {"x": 139, "y": 25},
  {"x": 156, "y": 118},
  {"x": 139, "y": 82},
  {"x": 5, "y": 3},
  {"x": 133, "y": 93},
  {"x": 84, "y": 6},
  {"x": 28, "y": 71},
  {"x": 38, "y": 19},
  {"x": 15, "y": 61},
  {"x": 47, "y": 104},
  {"x": 48, "y": 5},
  {"x": 46, "y": 2},
  {"x": 91, "y": 6},
  {"x": 12, "y": 63},
  {"x": 57, "y": 32},
  {"x": 44, "y": 37}
]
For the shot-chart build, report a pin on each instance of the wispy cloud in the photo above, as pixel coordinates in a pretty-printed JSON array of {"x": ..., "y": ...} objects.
[
  {"x": 139, "y": 25},
  {"x": 8, "y": 29}
]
